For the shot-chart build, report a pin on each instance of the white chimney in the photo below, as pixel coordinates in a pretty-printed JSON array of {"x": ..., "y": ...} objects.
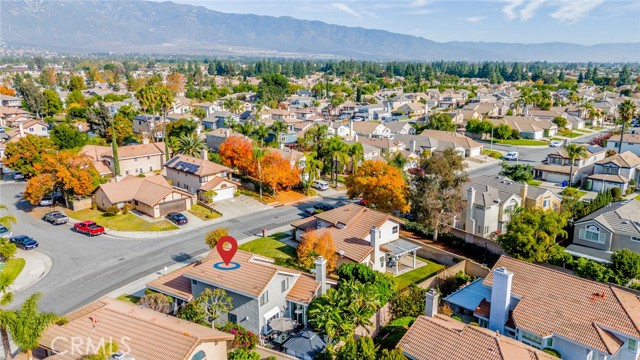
[
  {"x": 500, "y": 298},
  {"x": 470, "y": 223},
  {"x": 145, "y": 140},
  {"x": 412, "y": 146},
  {"x": 321, "y": 274},
  {"x": 431, "y": 306},
  {"x": 21, "y": 127},
  {"x": 204, "y": 154},
  {"x": 375, "y": 235}
]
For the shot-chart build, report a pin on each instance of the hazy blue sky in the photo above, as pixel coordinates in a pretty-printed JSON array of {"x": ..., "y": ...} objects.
[{"x": 527, "y": 21}]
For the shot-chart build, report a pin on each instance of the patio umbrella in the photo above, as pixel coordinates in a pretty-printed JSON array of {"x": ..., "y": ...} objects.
[{"x": 281, "y": 324}]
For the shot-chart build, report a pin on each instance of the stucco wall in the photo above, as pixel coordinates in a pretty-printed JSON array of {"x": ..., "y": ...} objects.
[
  {"x": 215, "y": 350},
  {"x": 147, "y": 164},
  {"x": 607, "y": 241}
]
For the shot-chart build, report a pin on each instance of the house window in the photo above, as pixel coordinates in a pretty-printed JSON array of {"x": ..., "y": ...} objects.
[
  {"x": 531, "y": 339},
  {"x": 284, "y": 285},
  {"x": 30, "y": 129},
  {"x": 150, "y": 168},
  {"x": 613, "y": 170},
  {"x": 200, "y": 355},
  {"x": 395, "y": 229},
  {"x": 479, "y": 229},
  {"x": 633, "y": 238},
  {"x": 126, "y": 172},
  {"x": 233, "y": 318},
  {"x": 550, "y": 342},
  {"x": 135, "y": 159},
  {"x": 194, "y": 282},
  {"x": 486, "y": 229},
  {"x": 264, "y": 298},
  {"x": 546, "y": 202},
  {"x": 136, "y": 171},
  {"x": 148, "y": 157},
  {"x": 631, "y": 345},
  {"x": 591, "y": 233},
  {"x": 382, "y": 262}
]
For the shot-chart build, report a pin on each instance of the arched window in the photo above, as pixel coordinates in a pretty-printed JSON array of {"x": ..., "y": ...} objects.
[
  {"x": 592, "y": 233},
  {"x": 200, "y": 355}
]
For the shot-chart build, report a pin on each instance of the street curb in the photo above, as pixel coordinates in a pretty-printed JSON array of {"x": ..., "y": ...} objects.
[{"x": 48, "y": 266}]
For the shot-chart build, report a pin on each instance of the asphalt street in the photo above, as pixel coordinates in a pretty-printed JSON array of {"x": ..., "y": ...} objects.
[{"x": 86, "y": 268}]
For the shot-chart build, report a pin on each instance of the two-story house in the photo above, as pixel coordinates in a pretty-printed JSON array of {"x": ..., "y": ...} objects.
[
  {"x": 133, "y": 159},
  {"x": 141, "y": 334},
  {"x": 630, "y": 142},
  {"x": 533, "y": 197},
  {"x": 557, "y": 166},
  {"x": 361, "y": 235},
  {"x": 400, "y": 128},
  {"x": 368, "y": 129},
  {"x": 149, "y": 126},
  {"x": 546, "y": 308},
  {"x": 615, "y": 171},
  {"x": 200, "y": 176},
  {"x": 260, "y": 290},
  {"x": 488, "y": 209},
  {"x": 610, "y": 228},
  {"x": 217, "y": 119}
]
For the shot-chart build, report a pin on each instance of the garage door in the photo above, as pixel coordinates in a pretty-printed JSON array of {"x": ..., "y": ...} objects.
[
  {"x": 224, "y": 194},
  {"x": 173, "y": 206},
  {"x": 557, "y": 178}
]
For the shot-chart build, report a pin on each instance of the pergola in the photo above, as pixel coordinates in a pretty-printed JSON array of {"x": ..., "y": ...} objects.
[{"x": 397, "y": 248}]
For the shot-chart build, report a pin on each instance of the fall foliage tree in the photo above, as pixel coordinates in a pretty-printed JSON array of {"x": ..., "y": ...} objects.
[
  {"x": 175, "y": 83},
  {"x": 72, "y": 174},
  {"x": 277, "y": 172},
  {"x": 211, "y": 238},
  {"x": 7, "y": 91},
  {"x": 156, "y": 302},
  {"x": 313, "y": 245},
  {"x": 237, "y": 153},
  {"x": 123, "y": 128},
  {"x": 26, "y": 152},
  {"x": 380, "y": 185}
]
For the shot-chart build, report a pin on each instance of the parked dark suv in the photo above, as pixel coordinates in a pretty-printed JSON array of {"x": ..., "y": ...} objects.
[
  {"x": 24, "y": 242},
  {"x": 177, "y": 218}
]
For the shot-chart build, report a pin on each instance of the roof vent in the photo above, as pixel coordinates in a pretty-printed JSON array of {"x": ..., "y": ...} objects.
[
  {"x": 497, "y": 201},
  {"x": 626, "y": 222}
]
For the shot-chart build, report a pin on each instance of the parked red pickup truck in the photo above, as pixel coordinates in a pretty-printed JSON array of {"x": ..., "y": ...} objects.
[{"x": 88, "y": 228}]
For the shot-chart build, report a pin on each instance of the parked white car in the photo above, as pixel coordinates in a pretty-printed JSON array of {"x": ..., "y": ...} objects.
[
  {"x": 556, "y": 143},
  {"x": 512, "y": 155},
  {"x": 4, "y": 232},
  {"x": 46, "y": 201},
  {"x": 18, "y": 176},
  {"x": 321, "y": 185}
]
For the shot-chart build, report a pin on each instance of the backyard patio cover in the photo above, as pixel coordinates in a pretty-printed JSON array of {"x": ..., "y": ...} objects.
[{"x": 397, "y": 248}]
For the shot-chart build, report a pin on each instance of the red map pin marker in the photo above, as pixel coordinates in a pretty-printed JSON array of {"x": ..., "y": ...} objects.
[{"x": 227, "y": 255}]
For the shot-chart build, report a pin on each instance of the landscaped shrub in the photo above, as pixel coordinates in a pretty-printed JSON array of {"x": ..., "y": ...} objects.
[
  {"x": 127, "y": 208},
  {"x": 243, "y": 338},
  {"x": 112, "y": 211},
  {"x": 616, "y": 193},
  {"x": 384, "y": 284},
  {"x": 456, "y": 317},
  {"x": 550, "y": 351},
  {"x": 453, "y": 283},
  {"x": 473, "y": 323},
  {"x": 409, "y": 302},
  {"x": 242, "y": 354}
]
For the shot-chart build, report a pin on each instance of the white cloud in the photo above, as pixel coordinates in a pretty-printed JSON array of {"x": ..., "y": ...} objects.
[
  {"x": 570, "y": 11},
  {"x": 529, "y": 9},
  {"x": 345, "y": 8},
  {"x": 510, "y": 8},
  {"x": 418, "y": 3},
  {"x": 369, "y": 13},
  {"x": 474, "y": 19}
]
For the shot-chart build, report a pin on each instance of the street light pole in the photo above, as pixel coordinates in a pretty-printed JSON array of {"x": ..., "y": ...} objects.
[{"x": 492, "y": 137}]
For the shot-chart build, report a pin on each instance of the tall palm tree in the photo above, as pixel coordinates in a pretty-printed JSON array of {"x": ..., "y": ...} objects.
[
  {"x": 261, "y": 132},
  {"x": 148, "y": 99},
  {"x": 316, "y": 136},
  {"x": 356, "y": 153},
  {"x": 258, "y": 155},
  {"x": 165, "y": 102},
  {"x": 276, "y": 128},
  {"x": 6, "y": 220},
  {"x": 245, "y": 128},
  {"x": 191, "y": 145},
  {"x": 312, "y": 167},
  {"x": 337, "y": 150},
  {"x": 626, "y": 109},
  {"x": 575, "y": 151},
  {"x": 27, "y": 324},
  {"x": 5, "y": 299}
]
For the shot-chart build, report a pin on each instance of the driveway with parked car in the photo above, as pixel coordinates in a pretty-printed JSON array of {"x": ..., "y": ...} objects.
[{"x": 24, "y": 242}]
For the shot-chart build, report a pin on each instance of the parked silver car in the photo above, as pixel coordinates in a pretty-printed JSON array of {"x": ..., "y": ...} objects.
[{"x": 4, "y": 232}]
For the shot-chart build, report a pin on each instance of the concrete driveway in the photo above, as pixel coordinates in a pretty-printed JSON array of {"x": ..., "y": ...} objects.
[{"x": 239, "y": 206}]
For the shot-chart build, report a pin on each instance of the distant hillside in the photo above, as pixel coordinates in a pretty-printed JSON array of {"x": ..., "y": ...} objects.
[{"x": 132, "y": 26}]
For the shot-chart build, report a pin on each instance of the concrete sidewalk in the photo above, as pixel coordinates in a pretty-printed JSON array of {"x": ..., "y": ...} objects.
[{"x": 37, "y": 266}]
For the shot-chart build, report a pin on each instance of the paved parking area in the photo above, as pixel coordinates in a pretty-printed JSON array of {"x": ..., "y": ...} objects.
[{"x": 239, "y": 206}]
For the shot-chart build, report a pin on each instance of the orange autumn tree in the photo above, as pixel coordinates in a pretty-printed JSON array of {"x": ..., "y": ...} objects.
[
  {"x": 175, "y": 83},
  {"x": 237, "y": 153},
  {"x": 277, "y": 172},
  {"x": 72, "y": 174},
  {"x": 380, "y": 185},
  {"x": 7, "y": 91},
  {"x": 314, "y": 245}
]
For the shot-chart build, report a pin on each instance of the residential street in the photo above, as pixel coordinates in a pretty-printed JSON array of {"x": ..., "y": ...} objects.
[{"x": 86, "y": 268}]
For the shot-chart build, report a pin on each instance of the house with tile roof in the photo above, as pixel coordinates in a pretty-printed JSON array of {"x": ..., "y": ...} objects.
[
  {"x": 141, "y": 334},
  {"x": 529, "y": 127},
  {"x": 488, "y": 209},
  {"x": 260, "y": 290},
  {"x": 368, "y": 129},
  {"x": 615, "y": 171},
  {"x": 557, "y": 166},
  {"x": 151, "y": 195},
  {"x": 137, "y": 159},
  {"x": 630, "y": 142},
  {"x": 546, "y": 308},
  {"x": 360, "y": 235},
  {"x": 440, "y": 140},
  {"x": 610, "y": 228},
  {"x": 533, "y": 197},
  {"x": 199, "y": 176},
  {"x": 437, "y": 337}
]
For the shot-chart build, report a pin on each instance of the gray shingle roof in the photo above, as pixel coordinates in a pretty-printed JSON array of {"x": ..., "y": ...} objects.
[{"x": 621, "y": 217}]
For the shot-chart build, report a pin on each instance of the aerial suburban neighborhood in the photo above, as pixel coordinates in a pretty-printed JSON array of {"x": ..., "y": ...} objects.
[{"x": 186, "y": 207}]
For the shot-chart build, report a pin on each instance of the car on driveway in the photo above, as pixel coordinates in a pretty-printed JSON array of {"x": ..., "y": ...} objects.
[
  {"x": 46, "y": 201},
  {"x": 4, "y": 232},
  {"x": 18, "y": 176},
  {"x": 324, "y": 207},
  {"x": 89, "y": 228},
  {"x": 24, "y": 242},
  {"x": 55, "y": 217},
  {"x": 177, "y": 218},
  {"x": 309, "y": 212},
  {"x": 556, "y": 143},
  {"x": 512, "y": 155}
]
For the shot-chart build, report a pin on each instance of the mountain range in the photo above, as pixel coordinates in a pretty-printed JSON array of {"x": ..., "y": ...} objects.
[{"x": 146, "y": 27}]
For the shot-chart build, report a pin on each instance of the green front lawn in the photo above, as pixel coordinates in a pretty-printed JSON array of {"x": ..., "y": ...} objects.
[
  {"x": 269, "y": 246},
  {"x": 129, "y": 298},
  {"x": 418, "y": 275},
  {"x": 534, "y": 182},
  {"x": 584, "y": 131},
  {"x": 521, "y": 142},
  {"x": 121, "y": 222},
  {"x": 12, "y": 268},
  {"x": 569, "y": 134},
  {"x": 492, "y": 153},
  {"x": 391, "y": 334},
  {"x": 638, "y": 197},
  {"x": 203, "y": 213}
]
